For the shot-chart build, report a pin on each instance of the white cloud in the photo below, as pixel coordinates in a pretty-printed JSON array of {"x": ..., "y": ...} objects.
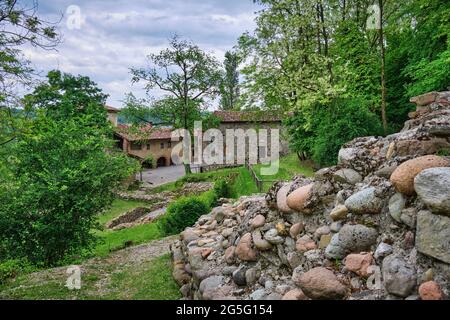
[{"x": 117, "y": 35}]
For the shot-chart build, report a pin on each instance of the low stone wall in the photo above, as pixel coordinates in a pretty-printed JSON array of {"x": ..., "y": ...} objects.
[
  {"x": 193, "y": 188},
  {"x": 376, "y": 226},
  {"x": 129, "y": 217}
]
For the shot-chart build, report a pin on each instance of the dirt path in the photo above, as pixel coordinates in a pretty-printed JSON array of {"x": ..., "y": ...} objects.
[{"x": 101, "y": 278}]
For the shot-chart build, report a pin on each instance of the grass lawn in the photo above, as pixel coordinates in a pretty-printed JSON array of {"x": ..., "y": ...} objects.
[
  {"x": 289, "y": 167},
  {"x": 151, "y": 280},
  {"x": 170, "y": 186},
  {"x": 115, "y": 240},
  {"x": 118, "y": 207},
  {"x": 242, "y": 183}
]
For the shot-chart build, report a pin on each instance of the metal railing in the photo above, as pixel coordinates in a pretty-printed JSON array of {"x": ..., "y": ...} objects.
[{"x": 258, "y": 181}]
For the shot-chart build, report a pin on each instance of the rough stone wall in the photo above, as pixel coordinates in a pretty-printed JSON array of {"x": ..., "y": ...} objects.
[{"x": 376, "y": 226}]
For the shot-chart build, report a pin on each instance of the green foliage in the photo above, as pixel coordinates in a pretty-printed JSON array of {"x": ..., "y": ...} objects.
[
  {"x": 445, "y": 152},
  {"x": 12, "y": 268},
  {"x": 307, "y": 53},
  {"x": 149, "y": 161},
  {"x": 320, "y": 131},
  {"x": 419, "y": 59},
  {"x": 429, "y": 75},
  {"x": 187, "y": 75},
  {"x": 59, "y": 175},
  {"x": 222, "y": 189},
  {"x": 109, "y": 241},
  {"x": 229, "y": 85},
  {"x": 182, "y": 213},
  {"x": 185, "y": 211}
]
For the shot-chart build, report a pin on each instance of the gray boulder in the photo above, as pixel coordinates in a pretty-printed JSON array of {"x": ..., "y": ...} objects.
[
  {"x": 351, "y": 238},
  {"x": 383, "y": 250},
  {"x": 396, "y": 205},
  {"x": 433, "y": 188},
  {"x": 364, "y": 201},
  {"x": 349, "y": 176},
  {"x": 433, "y": 235},
  {"x": 334, "y": 249},
  {"x": 211, "y": 283},
  {"x": 399, "y": 277},
  {"x": 239, "y": 276},
  {"x": 356, "y": 238},
  {"x": 346, "y": 155}
]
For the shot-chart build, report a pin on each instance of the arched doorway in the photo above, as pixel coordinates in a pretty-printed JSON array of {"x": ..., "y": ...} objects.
[{"x": 161, "y": 162}]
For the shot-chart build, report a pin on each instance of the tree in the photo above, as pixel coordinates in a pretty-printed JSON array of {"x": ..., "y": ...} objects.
[
  {"x": 289, "y": 55},
  {"x": 186, "y": 73},
  {"x": 61, "y": 172},
  {"x": 383, "y": 66},
  {"x": 19, "y": 25},
  {"x": 229, "y": 87}
]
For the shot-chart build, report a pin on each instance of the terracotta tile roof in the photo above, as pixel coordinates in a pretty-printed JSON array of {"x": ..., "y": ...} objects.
[
  {"x": 248, "y": 116},
  {"x": 162, "y": 133},
  {"x": 145, "y": 133},
  {"x": 112, "y": 109}
]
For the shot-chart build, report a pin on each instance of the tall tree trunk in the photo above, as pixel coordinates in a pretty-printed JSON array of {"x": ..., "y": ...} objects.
[
  {"x": 187, "y": 166},
  {"x": 383, "y": 67},
  {"x": 325, "y": 37},
  {"x": 319, "y": 46}
]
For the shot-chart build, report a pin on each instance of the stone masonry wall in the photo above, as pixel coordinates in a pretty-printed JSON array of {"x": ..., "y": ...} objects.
[{"x": 376, "y": 226}]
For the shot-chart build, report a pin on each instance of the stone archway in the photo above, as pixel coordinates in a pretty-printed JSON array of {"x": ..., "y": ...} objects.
[{"x": 161, "y": 162}]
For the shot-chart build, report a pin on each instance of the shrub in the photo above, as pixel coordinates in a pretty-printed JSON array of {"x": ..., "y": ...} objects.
[
  {"x": 222, "y": 189},
  {"x": 182, "y": 213},
  {"x": 59, "y": 175},
  {"x": 11, "y": 268},
  {"x": 321, "y": 130},
  {"x": 185, "y": 211},
  {"x": 209, "y": 198}
]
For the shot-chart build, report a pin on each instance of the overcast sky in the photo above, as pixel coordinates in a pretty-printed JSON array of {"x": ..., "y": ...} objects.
[{"x": 115, "y": 35}]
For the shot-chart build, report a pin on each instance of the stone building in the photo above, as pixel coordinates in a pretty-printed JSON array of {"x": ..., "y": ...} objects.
[
  {"x": 149, "y": 141},
  {"x": 112, "y": 115},
  {"x": 155, "y": 142},
  {"x": 255, "y": 120}
]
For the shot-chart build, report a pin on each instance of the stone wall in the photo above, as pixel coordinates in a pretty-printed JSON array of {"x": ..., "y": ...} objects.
[{"x": 376, "y": 226}]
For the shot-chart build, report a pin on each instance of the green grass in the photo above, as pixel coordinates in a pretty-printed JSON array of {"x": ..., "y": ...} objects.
[
  {"x": 244, "y": 184},
  {"x": 110, "y": 240},
  {"x": 290, "y": 166},
  {"x": 170, "y": 186},
  {"x": 151, "y": 280},
  {"x": 240, "y": 180},
  {"x": 115, "y": 240},
  {"x": 118, "y": 207}
]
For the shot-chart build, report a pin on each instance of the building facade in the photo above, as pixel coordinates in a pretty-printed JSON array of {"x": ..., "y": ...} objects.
[
  {"x": 256, "y": 120},
  {"x": 149, "y": 141}
]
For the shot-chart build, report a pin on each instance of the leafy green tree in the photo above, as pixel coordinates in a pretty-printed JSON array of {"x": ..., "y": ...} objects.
[
  {"x": 419, "y": 60},
  {"x": 186, "y": 73},
  {"x": 229, "y": 86},
  {"x": 19, "y": 25},
  {"x": 61, "y": 173},
  {"x": 318, "y": 132}
]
